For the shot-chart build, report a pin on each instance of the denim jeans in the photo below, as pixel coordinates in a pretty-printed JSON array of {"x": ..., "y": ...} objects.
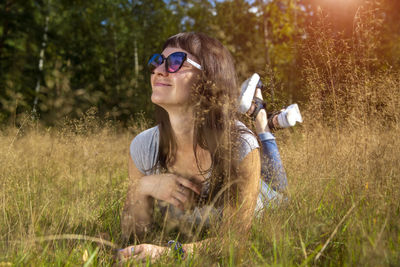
[{"x": 273, "y": 176}]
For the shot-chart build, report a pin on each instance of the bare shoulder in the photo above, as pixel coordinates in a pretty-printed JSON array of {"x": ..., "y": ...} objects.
[{"x": 133, "y": 171}]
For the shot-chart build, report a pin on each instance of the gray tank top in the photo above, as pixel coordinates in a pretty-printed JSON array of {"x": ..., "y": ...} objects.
[
  {"x": 144, "y": 148},
  {"x": 144, "y": 153}
]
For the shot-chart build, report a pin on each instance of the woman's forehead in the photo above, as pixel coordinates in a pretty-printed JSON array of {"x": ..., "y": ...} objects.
[{"x": 169, "y": 50}]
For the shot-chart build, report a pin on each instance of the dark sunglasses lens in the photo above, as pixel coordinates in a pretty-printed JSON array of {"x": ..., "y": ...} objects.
[
  {"x": 154, "y": 61},
  {"x": 175, "y": 61}
]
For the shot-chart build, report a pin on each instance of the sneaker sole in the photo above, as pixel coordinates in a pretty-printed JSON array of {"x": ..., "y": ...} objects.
[
  {"x": 290, "y": 116},
  {"x": 247, "y": 94}
]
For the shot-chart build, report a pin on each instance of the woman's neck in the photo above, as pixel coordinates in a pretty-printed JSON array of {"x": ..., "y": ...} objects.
[{"x": 182, "y": 124}]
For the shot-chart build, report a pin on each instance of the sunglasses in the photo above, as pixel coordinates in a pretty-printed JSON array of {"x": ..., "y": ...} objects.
[{"x": 173, "y": 62}]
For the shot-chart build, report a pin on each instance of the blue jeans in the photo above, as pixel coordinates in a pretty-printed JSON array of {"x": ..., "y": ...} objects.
[{"x": 273, "y": 176}]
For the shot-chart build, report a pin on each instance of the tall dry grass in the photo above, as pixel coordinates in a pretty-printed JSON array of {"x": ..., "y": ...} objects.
[
  {"x": 348, "y": 84},
  {"x": 343, "y": 167},
  {"x": 55, "y": 181},
  {"x": 63, "y": 182}
]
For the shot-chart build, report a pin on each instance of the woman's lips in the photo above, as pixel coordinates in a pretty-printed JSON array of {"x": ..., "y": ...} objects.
[{"x": 161, "y": 84}]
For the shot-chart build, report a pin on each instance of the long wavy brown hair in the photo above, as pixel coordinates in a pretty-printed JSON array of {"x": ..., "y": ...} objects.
[{"x": 214, "y": 99}]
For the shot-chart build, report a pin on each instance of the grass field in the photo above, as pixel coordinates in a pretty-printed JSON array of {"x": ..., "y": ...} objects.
[
  {"x": 344, "y": 206},
  {"x": 63, "y": 188}
]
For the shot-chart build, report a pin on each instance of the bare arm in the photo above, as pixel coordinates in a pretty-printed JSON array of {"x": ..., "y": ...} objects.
[
  {"x": 237, "y": 216},
  {"x": 242, "y": 212},
  {"x": 136, "y": 215}
]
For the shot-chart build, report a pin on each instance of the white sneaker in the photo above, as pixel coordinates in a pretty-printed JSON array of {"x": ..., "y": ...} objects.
[
  {"x": 248, "y": 90},
  {"x": 285, "y": 118},
  {"x": 289, "y": 116}
]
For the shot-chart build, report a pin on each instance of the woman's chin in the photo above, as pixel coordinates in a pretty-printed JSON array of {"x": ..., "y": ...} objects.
[
  {"x": 167, "y": 103},
  {"x": 156, "y": 99},
  {"x": 159, "y": 101}
]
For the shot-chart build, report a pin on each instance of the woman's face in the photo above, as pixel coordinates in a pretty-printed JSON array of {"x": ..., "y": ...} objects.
[{"x": 173, "y": 89}]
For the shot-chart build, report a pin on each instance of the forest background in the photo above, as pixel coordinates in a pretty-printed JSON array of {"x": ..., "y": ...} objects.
[
  {"x": 74, "y": 91},
  {"x": 60, "y": 58}
]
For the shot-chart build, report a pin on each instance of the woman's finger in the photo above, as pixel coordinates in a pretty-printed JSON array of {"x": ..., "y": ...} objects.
[
  {"x": 136, "y": 250},
  {"x": 188, "y": 184},
  {"x": 174, "y": 201},
  {"x": 180, "y": 196},
  {"x": 129, "y": 252},
  {"x": 185, "y": 191},
  {"x": 149, "y": 251},
  {"x": 140, "y": 253}
]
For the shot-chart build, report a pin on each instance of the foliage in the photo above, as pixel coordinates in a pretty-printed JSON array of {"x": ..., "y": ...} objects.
[
  {"x": 95, "y": 56},
  {"x": 96, "y": 51},
  {"x": 348, "y": 84}
]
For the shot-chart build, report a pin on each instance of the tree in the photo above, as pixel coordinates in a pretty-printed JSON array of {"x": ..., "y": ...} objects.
[
  {"x": 20, "y": 28},
  {"x": 282, "y": 29}
]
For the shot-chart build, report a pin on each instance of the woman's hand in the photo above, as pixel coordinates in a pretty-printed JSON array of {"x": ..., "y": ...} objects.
[
  {"x": 141, "y": 252},
  {"x": 170, "y": 188}
]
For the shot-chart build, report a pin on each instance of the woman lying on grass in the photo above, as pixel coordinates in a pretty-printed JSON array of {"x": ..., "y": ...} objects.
[{"x": 199, "y": 167}]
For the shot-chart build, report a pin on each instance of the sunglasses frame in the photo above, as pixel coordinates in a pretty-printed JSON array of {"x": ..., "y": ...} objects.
[{"x": 165, "y": 59}]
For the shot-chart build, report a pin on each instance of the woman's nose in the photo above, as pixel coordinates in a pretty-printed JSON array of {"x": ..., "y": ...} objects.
[{"x": 161, "y": 69}]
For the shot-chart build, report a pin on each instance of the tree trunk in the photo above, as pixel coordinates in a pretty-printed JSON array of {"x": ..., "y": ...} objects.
[
  {"x": 41, "y": 61},
  {"x": 267, "y": 57},
  {"x": 136, "y": 59}
]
